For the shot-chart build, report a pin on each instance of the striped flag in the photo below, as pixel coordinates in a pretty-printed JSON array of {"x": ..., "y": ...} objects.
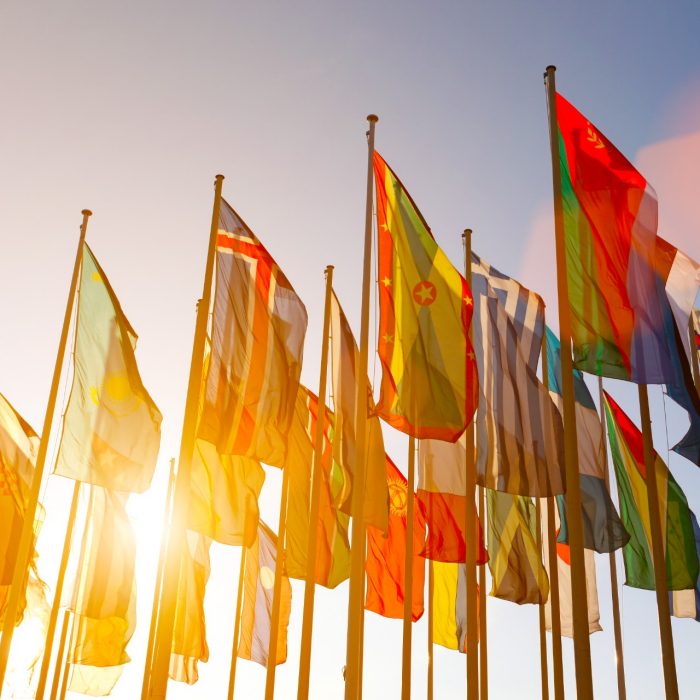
[
  {"x": 258, "y": 329},
  {"x": 450, "y": 605},
  {"x": 519, "y": 429}
]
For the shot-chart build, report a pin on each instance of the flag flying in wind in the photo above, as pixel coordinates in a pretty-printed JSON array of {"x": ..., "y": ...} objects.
[
  {"x": 687, "y": 603},
  {"x": 386, "y": 555},
  {"x": 429, "y": 379},
  {"x": 332, "y": 545},
  {"x": 603, "y": 530},
  {"x": 111, "y": 428},
  {"x": 519, "y": 430},
  {"x": 450, "y": 605},
  {"x": 258, "y": 329},
  {"x": 345, "y": 358},
  {"x": 517, "y": 572},
  {"x": 677, "y": 534},
  {"x": 442, "y": 493}
]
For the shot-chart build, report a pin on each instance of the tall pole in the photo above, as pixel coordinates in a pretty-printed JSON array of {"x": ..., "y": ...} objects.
[
  {"x": 353, "y": 663},
  {"x": 582, "y": 645},
  {"x": 53, "y": 616},
  {"x": 167, "y": 516},
  {"x": 236, "y": 625},
  {"x": 60, "y": 660},
  {"x": 544, "y": 671},
  {"x": 483, "y": 641},
  {"x": 166, "y": 606},
  {"x": 431, "y": 592},
  {"x": 408, "y": 570},
  {"x": 470, "y": 533},
  {"x": 657, "y": 552},
  {"x": 316, "y": 478},
  {"x": 617, "y": 627},
  {"x": 26, "y": 540}
]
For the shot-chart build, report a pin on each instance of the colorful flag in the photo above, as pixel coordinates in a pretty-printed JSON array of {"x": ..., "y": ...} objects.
[
  {"x": 603, "y": 530},
  {"x": 520, "y": 443},
  {"x": 256, "y": 617},
  {"x": 687, "y": 603},
  {"x": 258, "y": 329},
  {"x": 442, "y": 493},
  {"x": 450, "y": 605},
  {"x": 385, "y": 565},
  {"x": 517, "y": 572},
  {"x": 345, "y": 358},
  {"x": 332, "y": 545},
  {"x": 429, "y": 383},
  {"x": 111, "y": 428},
  {"x": 680, "y": 553}
]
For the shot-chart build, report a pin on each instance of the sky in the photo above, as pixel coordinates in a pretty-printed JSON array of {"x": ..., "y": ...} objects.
[{"x": 131, "y": 108}]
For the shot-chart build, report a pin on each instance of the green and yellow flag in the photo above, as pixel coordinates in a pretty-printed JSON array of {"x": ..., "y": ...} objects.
[{"x": 111, "y": 429}]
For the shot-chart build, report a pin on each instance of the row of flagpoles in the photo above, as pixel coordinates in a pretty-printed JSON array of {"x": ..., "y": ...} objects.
[{"x": 246, "y": 357}]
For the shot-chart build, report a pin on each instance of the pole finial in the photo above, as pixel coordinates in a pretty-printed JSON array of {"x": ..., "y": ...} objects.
[
  {"x": 86, "y": 212},
  {"x": 329, "y": 268},
  {"x": 372, "y": 118},
  {"x": 219, "y": 178},
  {"x": 467, "y": 232}
]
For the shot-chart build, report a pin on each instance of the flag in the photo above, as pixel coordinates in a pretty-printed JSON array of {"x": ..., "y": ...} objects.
[
  {"x": 520, "y": 443},
  {"x": 332, "y": 545},
  {"x": 517, "y": 572},
  {"x": 189, "y": 645},
  {"x": 680, "y": 553},
  {"x": 385, "y": 564},
  {"x": 256, "y": 617},
  {"x": 345, "y": 358},
  {"x": 111, "y": 428},
  {"x": 566, "y": 615},
  {"x": 450, "y": 605},
  {"x": 258, "y": 329},
  {"x": 429, "y": 378},
  {"x": 603, "y": 530},
  {"x": 687, "y": 603},
  {"x": 442, "y": 493}
]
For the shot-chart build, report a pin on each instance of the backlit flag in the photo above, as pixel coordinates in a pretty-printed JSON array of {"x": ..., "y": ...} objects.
[
  {"x": 687, "y": 603},
  {"x": 344, "y": 359},
  {"x": 450, "y": 605},
  {"x": 256, "y": 617},
  {"x": 442, "y": 494},
  {"x": 680, "y": 552},
  {"x": 258, "y": 329},
  {"x": 386, "y": 554},
  {"x": 429, "y": 383},
  {"x": 517, "y": 572},
  {"x": 603, "y": 530},
  {"x": 520, "y": 443},
  {"x": 111, "y": 428},
  {"x": 332, "y": 545}
]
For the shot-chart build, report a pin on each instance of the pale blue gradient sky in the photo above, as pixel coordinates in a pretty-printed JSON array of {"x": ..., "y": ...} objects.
[{"x": 131, "y": 108}]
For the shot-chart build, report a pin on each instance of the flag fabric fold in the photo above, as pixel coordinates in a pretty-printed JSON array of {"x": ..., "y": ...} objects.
[
  {"x": 687, "y": 603},
  {"x": 450, "y": 605}
]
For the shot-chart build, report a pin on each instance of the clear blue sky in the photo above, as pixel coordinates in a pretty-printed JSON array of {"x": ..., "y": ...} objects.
[{"x": 131, "y": 108}]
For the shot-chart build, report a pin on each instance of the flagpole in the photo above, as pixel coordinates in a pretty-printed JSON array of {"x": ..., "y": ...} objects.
[
  {"x": 67, "y": 665},
  {"x": 695, "y": 364},
  {"x": 667, "y": 652},
  {"x": 470, "y": 533},
  {"x": 408, "y": 572},
  {"x": 617, "y": 627},
  {"x": 24, "y": 548},
  {"x": 166, "y": 605},
  {"x": 483, "y": 646},
  {"x": 543, "y": 634},
  {"x": 53, "y": 616},
  {"x": 431, "y": 591},
  {"x": 582, "y": 644},
  {"x": 167, "y": 513},
  {"x": 316, "y": 477},
  {"x": 353, "y": 663},
  {"x": 59, "y": 655},
  {"x": 237, "y": 625}
]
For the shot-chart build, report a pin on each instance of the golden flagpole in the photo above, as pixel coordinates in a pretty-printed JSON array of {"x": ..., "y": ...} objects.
[
  {"x": 353, "y": 663},
  {"x": 53, "y": 616},
  {"x": 167, "y": 517},
  {"x": 483, "y": 639},
  {"x": 166, "y": 605},
  {"x": 237, "y": 625},
  {"x": 657, "y": 552},
  {"x": 26, "y": 540},
  {"x": 316, "y": 477},
  {"x": 60, "y": 661},
  {"x": 582, "y": 645},
  {"x": 544, "y": 671},
  {"x": 431, "y": 590},
  {"x": 470, "y": 535},
  {"x": 408, "y": 571}
]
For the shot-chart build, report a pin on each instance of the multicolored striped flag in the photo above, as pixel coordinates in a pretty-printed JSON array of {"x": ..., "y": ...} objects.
[
  {"x": 681, "y": 556},
  {"x": 111, "y": 428},
  {"x": 687, "y": 603},
  {"x": 517, "y": 572},
  {"x": 520, "y": 442},
  {"x": 258, "y": 329},
  {"x": 450, "y": 605},
  {"x": 429, "y": 383}
]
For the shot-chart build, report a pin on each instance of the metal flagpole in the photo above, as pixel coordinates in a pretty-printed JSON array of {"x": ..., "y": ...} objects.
[
  {"x": 236, "y": 625},
  {"x": 353, "y": 664},
  {"x": 582, "y": 645},
  {"x": 60, "y": 661},
  {"x": 657, "y": 552},
  {"x": 166, "y": 605},
  {"x": 544, "y": 671},
  {"x": 483, "y": 640},
  {"x": 408, "y": 566},
  {"x": 26, "y": 540},
  {"x": 316, "y": 477},
  {"x": 431, "y": 590}
]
